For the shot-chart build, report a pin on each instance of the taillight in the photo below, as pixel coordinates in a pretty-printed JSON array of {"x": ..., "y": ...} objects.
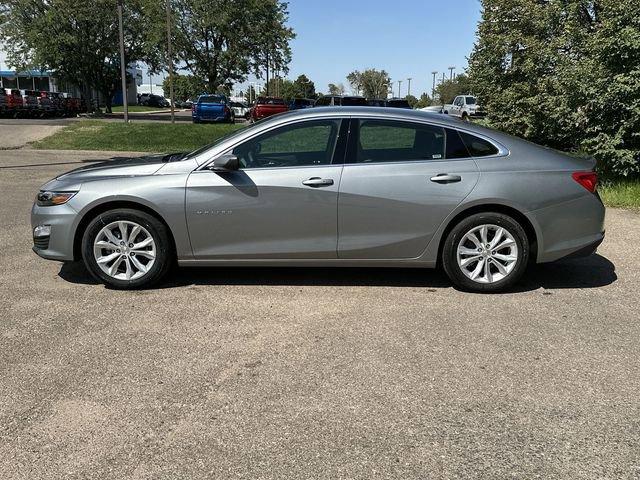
[
  {"x": 193, "y": 107},
  {"x": 588, "y": 180},
  {"x": 227, "y": 111}
]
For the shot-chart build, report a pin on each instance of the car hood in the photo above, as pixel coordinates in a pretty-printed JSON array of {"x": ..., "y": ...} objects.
[{"x": 120, "y": 167}]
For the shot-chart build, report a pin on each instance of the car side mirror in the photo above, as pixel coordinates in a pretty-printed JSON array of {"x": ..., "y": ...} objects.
[{"x": 226, "y": 163}]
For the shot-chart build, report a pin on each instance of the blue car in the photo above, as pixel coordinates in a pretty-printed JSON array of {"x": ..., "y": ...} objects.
[{"x": 212, "y": 108}]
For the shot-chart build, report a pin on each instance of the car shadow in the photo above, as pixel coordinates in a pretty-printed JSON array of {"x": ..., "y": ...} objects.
[{"x": 591, "y": 272}]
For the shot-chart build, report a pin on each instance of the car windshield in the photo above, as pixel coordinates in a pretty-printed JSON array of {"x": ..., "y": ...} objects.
[
  {"x": 270, "y": 101},
  {"x": 471, "y": 100},
  {"x": 211, "y": 99}
]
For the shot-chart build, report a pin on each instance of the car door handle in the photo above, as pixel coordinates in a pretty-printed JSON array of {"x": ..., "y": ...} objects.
[
  {"x": 318, "y": 182},
  {"x": 446, "y": 178}
]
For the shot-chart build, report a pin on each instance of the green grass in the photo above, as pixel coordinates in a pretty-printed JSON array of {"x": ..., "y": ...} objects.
[
  {"x": 138, "y": 109},
  {"x": 134, "y": 137},
  {"x": 621, "y": 193}
]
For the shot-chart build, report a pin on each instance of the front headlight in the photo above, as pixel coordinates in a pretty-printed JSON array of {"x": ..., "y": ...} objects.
[{"x": 49, "y": 199}]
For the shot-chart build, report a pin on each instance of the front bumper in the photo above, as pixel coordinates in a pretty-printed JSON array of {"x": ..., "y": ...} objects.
[{"x": 59, "y": 244}]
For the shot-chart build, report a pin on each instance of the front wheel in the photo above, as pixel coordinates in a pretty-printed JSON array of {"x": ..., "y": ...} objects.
[
  {"x": 127, "y": 248},
  {"x": 486, "y": 252}
]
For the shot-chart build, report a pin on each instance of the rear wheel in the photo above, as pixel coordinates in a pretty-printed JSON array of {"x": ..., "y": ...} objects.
[
  {"x": 127, "y": 248},
  {"x": 486, "y": 252}
]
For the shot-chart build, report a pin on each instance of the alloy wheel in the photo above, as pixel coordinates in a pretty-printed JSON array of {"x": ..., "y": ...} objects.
[
  {"x": 124, "y": 250},
  {"x": 487, "y": 253}
]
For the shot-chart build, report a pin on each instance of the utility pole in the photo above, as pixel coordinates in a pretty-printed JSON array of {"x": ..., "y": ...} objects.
[
  {"x": 409, "y": 86},
  {"x": 399, "y": 91},
  {"x": 123, "y": 70},
  {"x": 451, "y": 69},
  {"x": 433, "y": 88},
  {"x": 170, "y": 62}
]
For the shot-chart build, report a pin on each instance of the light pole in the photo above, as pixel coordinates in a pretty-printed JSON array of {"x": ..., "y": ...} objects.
[
  {"x": 433, "y": 88},
  {"x": 170, "y": 62},
  {"x": 409, "y": 86},
  {"x": 123, "y": 72},
  {"x": 451, "y": 69},
  {"x": 399, "y": 91}
]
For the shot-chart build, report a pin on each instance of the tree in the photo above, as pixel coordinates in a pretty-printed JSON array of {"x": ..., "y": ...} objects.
[
  {"x": 250, "y": 95},
  {"x": 270, "y": 47},
  {"x": 413, "y": 101},
  {"x": 565, "y": 73},
  {"x": 336, "y": 89},
  {"x": 303, "y": 87},
  {"x": 281, "y": 87},
  {"x": 223, "y": 41},
  {"x": 424, "y": 101},
  {"x": 185, "y": 86},
  {"x": 371, "y": 83},
  {"x": 450, "y": 89},
  {"x": 76, "y": 40}
]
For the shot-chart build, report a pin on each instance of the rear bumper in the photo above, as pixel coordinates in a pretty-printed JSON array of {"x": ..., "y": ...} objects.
[
  {"x": 570, "y": 229},
  {"x": 198, "y": 118}
]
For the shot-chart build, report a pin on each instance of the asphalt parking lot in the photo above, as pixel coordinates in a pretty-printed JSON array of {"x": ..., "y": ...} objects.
[{"x": 313, "y": 373}]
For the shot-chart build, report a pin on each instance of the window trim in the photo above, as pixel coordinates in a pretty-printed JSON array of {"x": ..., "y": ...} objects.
[{"x": 350, "y": 156}]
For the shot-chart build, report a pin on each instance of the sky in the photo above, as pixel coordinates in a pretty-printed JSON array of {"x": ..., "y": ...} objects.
[{"x": 407, "y": 38}]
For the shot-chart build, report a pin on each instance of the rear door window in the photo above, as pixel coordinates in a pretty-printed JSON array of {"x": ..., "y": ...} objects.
[{"x": 394, "y": 141}]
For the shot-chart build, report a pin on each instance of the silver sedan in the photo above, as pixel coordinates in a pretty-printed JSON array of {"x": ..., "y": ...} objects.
[{"x": 363, "y": 187}]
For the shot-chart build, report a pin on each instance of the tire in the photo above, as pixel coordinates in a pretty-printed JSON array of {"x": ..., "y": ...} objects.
[
  {"x": 160, "y": 248},
  {"x": 459, "y": 248},
  {"x": 465, "y": 118}
]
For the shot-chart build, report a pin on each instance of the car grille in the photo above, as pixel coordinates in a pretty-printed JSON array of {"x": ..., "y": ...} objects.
[{"x": 41, "y": 243}]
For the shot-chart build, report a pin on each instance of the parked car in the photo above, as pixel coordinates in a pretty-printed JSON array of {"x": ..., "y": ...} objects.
[
  {"x": 58, "y": 103},
  {"x": 432, "y": 109},
  {"x": 465, "y": 107},
  {"x": 183, "y": 104},
  {"x": 212, "y": 108},
  {"x": 30, "y": 105},
  {"x": 153, "y": 100},
  {"x": 298, "y": 103},
  {"x": 13, "y": 101},
  {"x": 329, "y": 187},
  {"x": 44, "y": 104},
  {"x": 143, "y": 98},
  {"x": 3, "y": 103},
  {"x": 265, "y": 107},
  {"x": 390, "y": 103},
  {"x": 397, "y": 103},
  {"x": 73, "y": 106},
  {"x": 376, "y": 102},
  {"x": 341, "y": 100},
  {"x": 240, "y": 110}
]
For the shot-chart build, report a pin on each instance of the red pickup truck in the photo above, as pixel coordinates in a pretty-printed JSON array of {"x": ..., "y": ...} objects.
[
  {"x": 267, "y": 106},
  {"x": 11, "y": 102}
]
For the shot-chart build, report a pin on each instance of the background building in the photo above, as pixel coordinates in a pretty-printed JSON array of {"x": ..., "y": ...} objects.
[
  {"x": 30, "y": 80},
  {"x": 39, "y": 80}
]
